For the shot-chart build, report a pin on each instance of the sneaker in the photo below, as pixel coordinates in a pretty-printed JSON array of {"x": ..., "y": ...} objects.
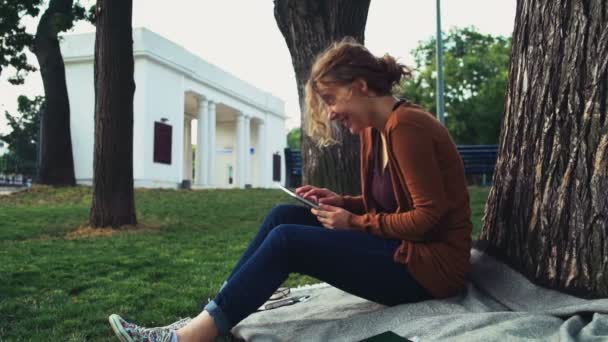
[{"x": 129, "y": 332}]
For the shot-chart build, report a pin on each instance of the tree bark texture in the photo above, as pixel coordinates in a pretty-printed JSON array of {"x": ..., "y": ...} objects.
[
  {"x": 308, "y": 28},
  {"x": 56, "y": 162},
  {"x": 113, "y": 200},
  {"x": 547, "y": 213}
]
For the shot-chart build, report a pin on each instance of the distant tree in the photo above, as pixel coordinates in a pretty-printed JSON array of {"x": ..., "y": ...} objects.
[
  {"x": 547, "y": 213},
  {"x": 13, "y": 37},
  {"x": 308, "y": 28},
  {"x": 113, "y": 194},
  {"x": 475, "y": 74},
  {"x": 56, "y": 162},
  {"x": 293, "y": 138},
  {"x": 15, "y": 40},
  {"x": 23, "y": 138}
]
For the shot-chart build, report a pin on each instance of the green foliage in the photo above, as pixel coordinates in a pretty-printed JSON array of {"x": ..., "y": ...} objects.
[
  {"x": 65, "y": 18},
  {"x": 23, "y": 138},
  {"x": 475, "y": 77},
  {"x": 55, "y": 287},
  {"x": 293, "y": 138},
  {"x": 14, "y": 39}
]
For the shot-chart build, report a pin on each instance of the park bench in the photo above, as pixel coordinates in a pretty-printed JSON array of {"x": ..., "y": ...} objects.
[
  {"x": 477, "y": 159},
  {"x": 293, "y": 168}
]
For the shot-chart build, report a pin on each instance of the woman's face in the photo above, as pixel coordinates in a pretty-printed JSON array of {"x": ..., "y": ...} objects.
[{"x": 345, "y": 104}]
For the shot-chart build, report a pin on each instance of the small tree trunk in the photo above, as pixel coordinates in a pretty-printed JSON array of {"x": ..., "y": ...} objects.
[
  {"x": 547, "y": 213},
  {"x": 113, "y": 201},
  {"x": 56, "y": 162},
  {"x": 308, "y": 28}
]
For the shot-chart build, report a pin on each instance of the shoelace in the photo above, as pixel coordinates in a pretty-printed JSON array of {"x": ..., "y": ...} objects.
[{"x": 142, "y": 334}]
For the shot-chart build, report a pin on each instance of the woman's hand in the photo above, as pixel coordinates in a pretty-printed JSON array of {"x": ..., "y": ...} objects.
[
  {"x": 320, "y": 195},
  {"x": 332, "y": 217}
]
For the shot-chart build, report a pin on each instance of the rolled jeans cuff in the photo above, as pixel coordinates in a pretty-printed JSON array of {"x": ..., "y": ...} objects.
[{"x": 221, "y": 321}]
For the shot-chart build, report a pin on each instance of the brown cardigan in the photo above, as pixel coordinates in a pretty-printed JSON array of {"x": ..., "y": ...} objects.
[{"x": 433, "y": 216}]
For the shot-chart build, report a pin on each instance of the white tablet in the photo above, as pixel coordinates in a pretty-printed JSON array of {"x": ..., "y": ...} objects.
[{"x": 299, "y": 198}]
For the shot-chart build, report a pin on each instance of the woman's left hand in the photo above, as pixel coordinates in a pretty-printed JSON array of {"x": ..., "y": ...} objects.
[{"x": 332, "y": 217}]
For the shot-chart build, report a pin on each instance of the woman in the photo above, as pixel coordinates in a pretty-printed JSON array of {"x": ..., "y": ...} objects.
[{"x": 405, "y": 239}]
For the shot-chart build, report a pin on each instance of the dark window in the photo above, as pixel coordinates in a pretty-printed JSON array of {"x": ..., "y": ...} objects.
[
  {"x": 276, "y": 167},
  {"x": 162, "y": 143}
]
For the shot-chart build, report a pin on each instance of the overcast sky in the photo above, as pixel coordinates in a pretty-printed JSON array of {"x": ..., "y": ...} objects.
[{"x": 242, "y": 37}]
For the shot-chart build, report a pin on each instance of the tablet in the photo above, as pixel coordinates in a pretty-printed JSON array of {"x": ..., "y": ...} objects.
[{"x": 299, "y": 198}]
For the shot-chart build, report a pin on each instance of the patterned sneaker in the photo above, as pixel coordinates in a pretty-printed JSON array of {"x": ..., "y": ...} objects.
[{"x": 129, "y": 332}]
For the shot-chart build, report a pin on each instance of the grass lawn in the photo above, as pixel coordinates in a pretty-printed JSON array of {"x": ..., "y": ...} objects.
[{"x": 59, "y": 285}]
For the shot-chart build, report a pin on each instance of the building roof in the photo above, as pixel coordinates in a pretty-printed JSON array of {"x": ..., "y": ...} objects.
[{"x": 77, "y": 48}]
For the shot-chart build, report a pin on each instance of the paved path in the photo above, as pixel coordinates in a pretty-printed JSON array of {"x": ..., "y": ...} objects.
[{"x": 9, "y": 190}]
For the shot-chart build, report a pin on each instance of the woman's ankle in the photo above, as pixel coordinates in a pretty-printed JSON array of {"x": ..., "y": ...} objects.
[{"x": 201, "y": 328}]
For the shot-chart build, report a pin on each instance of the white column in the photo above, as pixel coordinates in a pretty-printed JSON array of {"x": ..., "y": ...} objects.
[
  {"x": 185, "y": 159},
  {"x": 211, "y": 144},
  {"x": 262, "y": 172},
  {"x": 201, "y": 154},
  {"x": 247, "y": 149},
  {"x": 187, "y": 175},
  {"x": 240, "y": 149},
  {"x": 189, "y": 158}
]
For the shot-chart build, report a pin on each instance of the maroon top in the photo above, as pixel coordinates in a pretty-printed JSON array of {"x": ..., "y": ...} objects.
[{"x": 382, "y": 186}]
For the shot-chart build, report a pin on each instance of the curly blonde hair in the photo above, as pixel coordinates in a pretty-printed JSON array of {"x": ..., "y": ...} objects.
[{"x": 341, "y": 63}]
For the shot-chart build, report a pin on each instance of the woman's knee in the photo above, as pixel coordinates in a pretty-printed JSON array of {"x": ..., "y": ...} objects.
[
  {"x": 291, "y": 238},
  {"x": 281, "y": 235},
  {"x": 284, "y": 213},
  {"x": 279, "y": 231}
]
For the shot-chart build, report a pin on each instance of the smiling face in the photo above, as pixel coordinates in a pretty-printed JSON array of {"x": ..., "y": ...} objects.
[
  {"x": 351, "y": 86},
  {"x": 346, "y": 104}
]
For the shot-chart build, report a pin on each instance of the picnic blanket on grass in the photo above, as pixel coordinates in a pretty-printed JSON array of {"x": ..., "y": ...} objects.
[{"x": 500, "y": 305}]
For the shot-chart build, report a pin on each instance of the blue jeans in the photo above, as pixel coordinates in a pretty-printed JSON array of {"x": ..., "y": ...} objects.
[{"x": 291, "y": 239}]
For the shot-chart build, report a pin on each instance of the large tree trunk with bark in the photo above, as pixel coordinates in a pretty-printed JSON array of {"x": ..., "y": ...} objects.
[
  {"x": 113, "y": 200},
  {"x": 56, "y": 162},
  {"x": 547, "y": 213},
  {"x": 309, "y": 27}
]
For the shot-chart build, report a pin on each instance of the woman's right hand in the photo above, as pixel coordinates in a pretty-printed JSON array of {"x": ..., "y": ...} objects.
[{"x": 320, "y": 195}]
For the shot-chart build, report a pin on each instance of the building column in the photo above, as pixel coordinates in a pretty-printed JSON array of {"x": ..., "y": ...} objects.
[
  {"x": 263, "y": 175},
  {"x": 211, "y": 144},
  {"x": 240, "y": 150},
  {"x": 201, "y": 153},
  {"x": 247, "y": 150},
  {"x": 187, "y": 149}
]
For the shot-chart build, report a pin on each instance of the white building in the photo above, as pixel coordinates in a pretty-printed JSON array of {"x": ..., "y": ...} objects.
[{"x": 239, "y": 127}]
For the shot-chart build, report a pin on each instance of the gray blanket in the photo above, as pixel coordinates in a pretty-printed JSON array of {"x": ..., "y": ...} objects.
[{"x": 500, "y": 305}]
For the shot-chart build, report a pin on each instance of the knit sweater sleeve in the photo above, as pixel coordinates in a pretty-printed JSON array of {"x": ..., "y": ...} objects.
[
  {"x": 354, "y": 204},
  {"x": 415, "y": 155}
]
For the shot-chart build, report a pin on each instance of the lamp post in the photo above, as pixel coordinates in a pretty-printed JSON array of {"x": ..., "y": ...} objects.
[{"x": 439, "y": 91}]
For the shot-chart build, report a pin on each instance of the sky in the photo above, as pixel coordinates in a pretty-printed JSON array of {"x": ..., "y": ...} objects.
[{"x": 242, "y": 38}]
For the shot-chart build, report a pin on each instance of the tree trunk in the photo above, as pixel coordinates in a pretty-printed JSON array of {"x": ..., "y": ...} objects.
[
  {"x": 547, "y": 213},
  {"x": 56, "y": 162},
  {"x": 309, "y": 27},
  {"x": 113, "y": 202}
]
